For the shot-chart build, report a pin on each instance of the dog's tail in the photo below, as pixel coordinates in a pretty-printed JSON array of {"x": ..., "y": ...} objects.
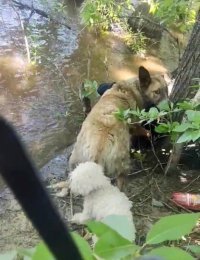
[{"x": 87, "y": 177}]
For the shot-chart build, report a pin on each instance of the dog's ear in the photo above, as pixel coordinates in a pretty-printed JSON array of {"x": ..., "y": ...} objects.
[{"x": 144, "y": 77}]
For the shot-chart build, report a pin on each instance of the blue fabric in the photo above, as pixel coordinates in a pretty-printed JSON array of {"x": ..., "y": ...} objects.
[{"x": 103, "y": 87}]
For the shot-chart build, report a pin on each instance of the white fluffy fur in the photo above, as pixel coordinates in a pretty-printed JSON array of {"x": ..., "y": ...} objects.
[{"x": 101, "y": 199}]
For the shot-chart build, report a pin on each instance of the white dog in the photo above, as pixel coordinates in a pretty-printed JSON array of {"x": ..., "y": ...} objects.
[{"x": 101, "y": 199}]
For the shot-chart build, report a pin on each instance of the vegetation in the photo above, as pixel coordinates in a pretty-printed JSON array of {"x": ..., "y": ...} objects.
[
  {"x": 115, "y": 241},
  {"x": 174, "y": 13},
  {"x": 163, "y": 114},
  {"x": 104, "y": 15}
]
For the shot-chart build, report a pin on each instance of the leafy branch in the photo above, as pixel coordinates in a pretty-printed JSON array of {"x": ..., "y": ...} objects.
[{"x": 113, "y": 240}]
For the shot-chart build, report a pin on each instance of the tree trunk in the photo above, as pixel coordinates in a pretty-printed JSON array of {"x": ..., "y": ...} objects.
[
  {"x": 189, "y": 67},
  {"x": 188, "y": 75}
]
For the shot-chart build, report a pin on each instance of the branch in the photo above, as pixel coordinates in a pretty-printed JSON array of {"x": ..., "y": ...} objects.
[
  {"x": 25, "y": 37},
  {"x": 37, "y": 11},
  {"x": 162, "y": 28}
]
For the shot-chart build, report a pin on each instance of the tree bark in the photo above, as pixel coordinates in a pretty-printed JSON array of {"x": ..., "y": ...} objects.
[
  {"x": 189, "y": 67},
  {"x": 188, "y": 75}
]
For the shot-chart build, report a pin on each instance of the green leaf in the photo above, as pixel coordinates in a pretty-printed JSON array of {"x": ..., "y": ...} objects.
[
  {"x": 8, "y": 255},
  {"x": 162, "y": 128},
  {"x": 195, "y": 86},
  {"x": 153, "y": 113},
  {"x": 83, "y": 246},
  {"x": 185, "y": 105},
  {"x": 182, "y": 128},
  {"x": 42, "y": 252},
  {"x": 164, "y": 105},
  {"x": 193, "y": 116},
  {"x": 170, "y": 253},
  {"x": 185, "y": 137},
  {"x": 194, "y": 249},
  {"x": 126, "y": 113},
  {"x": 91, "y": 20},
  {"x": 119, "y": 114},
  {"x": 98, "y": 228},
  {"x": 122, "y": 225},
  {"x": 134, "y": 112},
  {"x": 195, "y": 135},
  {"x": 172, "y": 228},
  {"x": 111, "y": 246}
]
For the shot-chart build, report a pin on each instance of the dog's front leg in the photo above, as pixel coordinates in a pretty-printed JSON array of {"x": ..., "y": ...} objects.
[
  {"x": 121, "y": 182},
  {"x": 85, "y": 215}
]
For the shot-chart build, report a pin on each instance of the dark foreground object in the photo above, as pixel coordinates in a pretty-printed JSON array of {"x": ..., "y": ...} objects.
[{"x": 22, "y": 178}]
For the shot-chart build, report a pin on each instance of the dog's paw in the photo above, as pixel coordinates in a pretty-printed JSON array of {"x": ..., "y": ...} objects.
[
  {"x": 79, "y": 219},
  {"x": 63, "y": 185}
]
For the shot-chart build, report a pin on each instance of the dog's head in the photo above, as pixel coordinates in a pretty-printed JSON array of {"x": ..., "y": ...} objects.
[
  {"x": 87, "y": 177},
  {"x": 146, "y": 91},
  {"x": 153, "y": 87}
]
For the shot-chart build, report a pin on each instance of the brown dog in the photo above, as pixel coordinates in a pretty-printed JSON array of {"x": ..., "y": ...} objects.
[{"x": 103, "y": 138}]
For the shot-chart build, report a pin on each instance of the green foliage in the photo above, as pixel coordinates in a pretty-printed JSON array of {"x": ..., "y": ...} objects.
[
  {"x": 102, "y": 13},
  {"x": 171, "y": 228},
  {"x": 42, "y": 252},
  {"x": 111, "y": 244},
  {"x": 187, "y": 131},
  {"x": 89, "y": 88},
  {"x": 83, "y": 246},
  {"x": 177, "y": 13},
  {"x": 194, "y": 249},
  {"x": 170, "y": 253},
  {"x": 136, "y": 41},
  {"x": 120, "y": 224},
  {"x": 55, "y": 8}
]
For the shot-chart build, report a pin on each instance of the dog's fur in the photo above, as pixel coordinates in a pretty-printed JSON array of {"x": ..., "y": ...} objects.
[
  {"x": 103, "y": 138},
  {"x": 101, "y": 199}
]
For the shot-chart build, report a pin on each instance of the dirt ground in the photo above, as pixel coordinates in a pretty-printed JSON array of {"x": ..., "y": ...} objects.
[{"x": 149, "y": 190}]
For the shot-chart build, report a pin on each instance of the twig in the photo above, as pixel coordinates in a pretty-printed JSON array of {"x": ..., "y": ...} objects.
[
  {"x": 71, "y": 204},
  {"x": 162, "y": 28},
  {"x": 170, "y": 207},
  {"x": 187, "y": 210},
  {"x": 158, "y": 186},
  {"x": 154, "y": 152},
  {"x": 145, "y": 216},
  {"x": 148, "y": 197},
  {"x": 141, "y": 191},
  {"x": 88, "y": 62},
  {"x": 25, "y": 37},
  {"x": 191, "y": 182},
  {"x": 38, "y": 11},
  {"x": 134, "y": 173},
  {"x": 35, "y": 10},
  {"x": 67, "y": 83}
]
